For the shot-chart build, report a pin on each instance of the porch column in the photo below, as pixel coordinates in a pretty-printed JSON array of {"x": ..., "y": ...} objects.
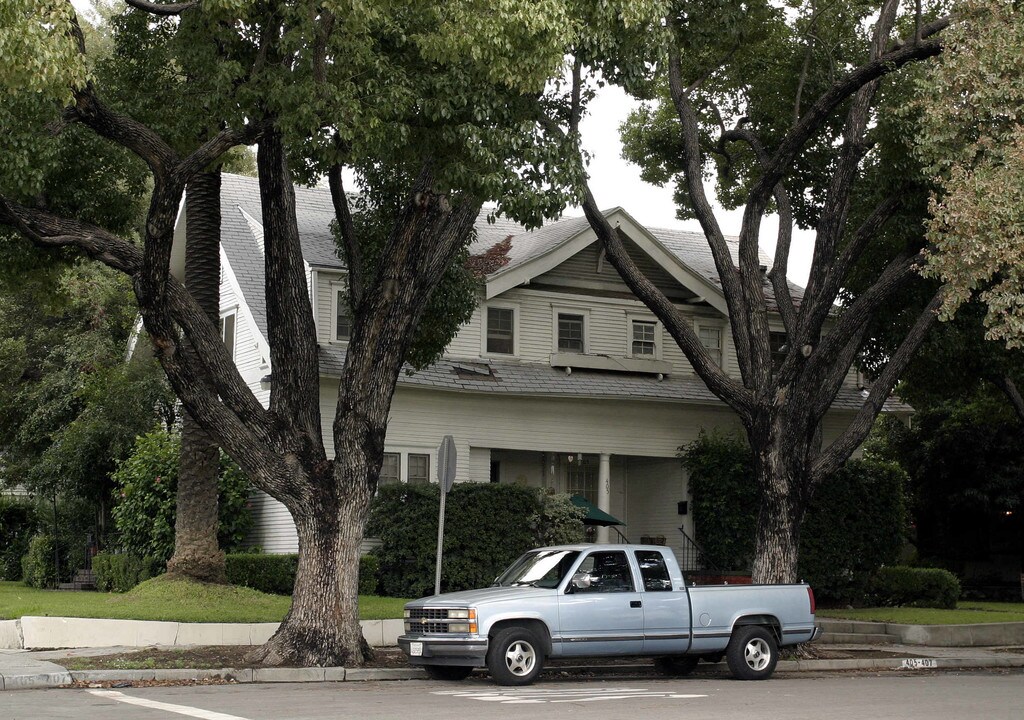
[{"x": 604, "y": 492}]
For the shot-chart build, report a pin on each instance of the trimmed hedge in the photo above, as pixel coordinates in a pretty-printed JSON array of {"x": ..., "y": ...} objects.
[
  {"x": 916, "y": 587},
  {"x": 275, "y": 574},
  {"x": 487, "y": 526},
  {"x": 855, "y": 523},
  {"x": 120, "y": 573}
]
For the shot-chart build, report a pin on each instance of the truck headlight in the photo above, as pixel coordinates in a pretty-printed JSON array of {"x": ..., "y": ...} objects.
[
  {"x": 407, "y": 613},
  {"x": 459, "y": 627},
  {"x": 464, "y": 614}
]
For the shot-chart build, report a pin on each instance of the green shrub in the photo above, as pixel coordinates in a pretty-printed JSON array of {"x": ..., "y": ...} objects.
[
  {"x": 120, "y": 573},
  {"x": 146, "y": 486},
  {"x": 276, "y": 573},
  {"x": 38, "y": 569},
  {"x": 854, "y": 524},
  {"x": 18, "y": 523},
  {"x": 267, "y": 573},
  {"x": 486, "y": 527},
  {"x": 369, "y": 572},
  {"x": 725, "y": 501},
  {"x": 916, "y": 587}
]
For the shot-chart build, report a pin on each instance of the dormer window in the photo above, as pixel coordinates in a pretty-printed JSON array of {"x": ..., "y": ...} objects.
[
  {"x": 643, "y": 342},
  {"x": 341, "y": 313},
  {"x": 571, "y": 333},
  {"x": 501, "y": 331},
  {"x": 711, "y": 339}
]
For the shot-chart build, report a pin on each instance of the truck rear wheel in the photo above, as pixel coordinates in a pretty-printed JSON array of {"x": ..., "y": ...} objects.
[
  {"x": 450, "y": 673},
  {"x": 515, "y": 657},
  {"x": 752, "y": 653}
]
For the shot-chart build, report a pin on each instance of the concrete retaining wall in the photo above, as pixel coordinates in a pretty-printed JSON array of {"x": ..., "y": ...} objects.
[
  {"x": 993, "y": 634},
  {"x": 33, "y": 633}
]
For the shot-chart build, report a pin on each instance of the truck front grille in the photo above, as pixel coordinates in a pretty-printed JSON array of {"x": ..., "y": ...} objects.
[{"x": 430, "y": 620}]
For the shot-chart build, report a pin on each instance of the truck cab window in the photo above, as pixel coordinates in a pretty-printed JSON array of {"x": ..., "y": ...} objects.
[
  {"x": 653, "y": 570},
  {"x": 608, "y": 572}
]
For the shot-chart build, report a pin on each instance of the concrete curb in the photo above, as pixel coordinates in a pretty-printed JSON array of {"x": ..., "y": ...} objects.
[
  {"x": 34, "y": 633},
  {"x": 19, "y": 681}
]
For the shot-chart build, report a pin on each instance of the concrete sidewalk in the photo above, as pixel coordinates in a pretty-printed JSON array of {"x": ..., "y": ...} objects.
[{"x": 23, "y": 669}]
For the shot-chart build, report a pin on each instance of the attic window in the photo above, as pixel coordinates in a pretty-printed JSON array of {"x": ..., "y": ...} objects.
[
  {"x": 571, "y": 333},
  {"x": 501, "y": 330}
]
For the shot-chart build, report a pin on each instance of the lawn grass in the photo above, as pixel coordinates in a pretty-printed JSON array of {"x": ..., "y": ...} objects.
[
  {"x": 176, "y": 601},
  {"x": 966, "y": 613}
]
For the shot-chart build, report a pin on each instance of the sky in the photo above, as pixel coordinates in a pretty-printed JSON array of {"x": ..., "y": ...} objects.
[{"x": 616, "y": 182}]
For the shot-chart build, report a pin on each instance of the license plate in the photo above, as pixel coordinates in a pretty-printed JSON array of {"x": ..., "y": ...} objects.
[{"x": 415, "y": 649}]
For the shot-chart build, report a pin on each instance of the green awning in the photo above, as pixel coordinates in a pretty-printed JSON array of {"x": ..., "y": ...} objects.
[{"x": 595, "y": 515}]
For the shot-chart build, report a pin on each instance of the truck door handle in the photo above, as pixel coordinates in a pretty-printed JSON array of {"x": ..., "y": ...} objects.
[{"x": 635, "y": 604}]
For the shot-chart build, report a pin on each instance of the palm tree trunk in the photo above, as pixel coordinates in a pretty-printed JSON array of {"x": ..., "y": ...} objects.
[{"x": 196, "y": 552}]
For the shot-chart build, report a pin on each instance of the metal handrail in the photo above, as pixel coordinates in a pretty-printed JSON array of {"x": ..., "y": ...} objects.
[{"x": 694, "y": 557}]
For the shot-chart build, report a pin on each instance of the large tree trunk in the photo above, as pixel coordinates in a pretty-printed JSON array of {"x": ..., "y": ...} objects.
[
  {"x": 322, "y": 626},
  {"x": 196, "y": 552}
]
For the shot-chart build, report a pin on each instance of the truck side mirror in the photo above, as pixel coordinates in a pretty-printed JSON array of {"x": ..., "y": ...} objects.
[{"x": 580, "y": 581}]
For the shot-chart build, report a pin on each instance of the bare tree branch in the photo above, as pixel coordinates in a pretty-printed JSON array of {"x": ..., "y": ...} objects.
[
  {"x": 1009, "y": 388},
  {"x": 350, "y": 242},
  {"x": 855, "y": 434}
]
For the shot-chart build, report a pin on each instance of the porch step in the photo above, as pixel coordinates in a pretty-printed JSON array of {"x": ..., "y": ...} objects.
[{"x": 83, "y": 580}]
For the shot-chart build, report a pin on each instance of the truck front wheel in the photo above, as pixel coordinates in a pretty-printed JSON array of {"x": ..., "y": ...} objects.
[
  {"x": 752, "y": 653},
  {"x": 515, "y": 657}
]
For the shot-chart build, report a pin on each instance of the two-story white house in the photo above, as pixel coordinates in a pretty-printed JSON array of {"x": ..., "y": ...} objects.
[{"x": 562, "y": 379}]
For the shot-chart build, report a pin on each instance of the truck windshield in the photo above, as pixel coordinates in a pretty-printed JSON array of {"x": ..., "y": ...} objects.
[{"x": 541, "y": 568}]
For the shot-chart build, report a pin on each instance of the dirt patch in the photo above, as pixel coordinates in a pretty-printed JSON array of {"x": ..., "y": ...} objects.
[{"x": 204, "y": 657}]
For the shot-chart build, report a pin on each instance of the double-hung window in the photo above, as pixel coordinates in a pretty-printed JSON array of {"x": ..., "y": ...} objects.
[
  {"x": 571, "y": 333},
  {"x": 390, "y": 470},
  {"x": 501, "y": 331},
  {"x": 643, "y": 339},
  {"x": 342, "y": 316},
  {"x": 711, "y": 339},
  {"x": 418, "y": 466}
]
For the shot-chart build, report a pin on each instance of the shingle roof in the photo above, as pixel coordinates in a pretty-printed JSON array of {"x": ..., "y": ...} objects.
[
  {"x": 240, "y": 236},
  {"x": 498, "y": 377}
]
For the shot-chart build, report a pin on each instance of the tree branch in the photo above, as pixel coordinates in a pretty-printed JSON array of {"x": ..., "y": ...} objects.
[
  {"x": 895, "y": 274},
  {"x": 350, "y": 242},
  {"x": 855, "y": 434},
  {"x": 162, "y": 9},
  {"x": 1009, "y": 388},
  {"x": 887, "y": 62}
]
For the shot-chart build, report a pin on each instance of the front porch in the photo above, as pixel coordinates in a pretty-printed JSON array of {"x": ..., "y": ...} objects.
[{"x": 650, "y": 495}]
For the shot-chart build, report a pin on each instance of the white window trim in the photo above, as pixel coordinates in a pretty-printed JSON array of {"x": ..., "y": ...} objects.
[
  {"x": 557, "y": 310},
  {"x": 337, "y": 286},
  {"x": 632, "y": 317},
  {"x": 403, "y": 463},
  {"x": 233, "y": 314},
  {"x": 713, "y": 325},
  {"x": 516, "y": 328}
]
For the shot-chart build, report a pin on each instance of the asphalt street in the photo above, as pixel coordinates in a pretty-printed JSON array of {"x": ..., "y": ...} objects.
[{"x": 928, "y": 695}]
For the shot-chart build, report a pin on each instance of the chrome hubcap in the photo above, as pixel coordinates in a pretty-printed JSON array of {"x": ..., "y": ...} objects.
[
  {"x": 757, "y": 654},
  {"x": 520, "y": 658}
]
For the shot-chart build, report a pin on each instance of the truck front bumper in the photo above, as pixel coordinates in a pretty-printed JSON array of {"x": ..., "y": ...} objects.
[{"x": 434, "y": 650}]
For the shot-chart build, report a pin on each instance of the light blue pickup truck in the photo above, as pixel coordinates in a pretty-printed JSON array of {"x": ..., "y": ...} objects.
[{"x": 604, "y": 600}]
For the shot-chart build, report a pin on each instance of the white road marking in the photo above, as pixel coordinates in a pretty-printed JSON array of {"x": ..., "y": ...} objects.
[
  {"x": 567, "y": 695},
  {"x": 155, "y": 705}
]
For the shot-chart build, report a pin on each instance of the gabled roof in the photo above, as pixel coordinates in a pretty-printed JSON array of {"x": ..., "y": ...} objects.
[{"x": 684, "y": 255}]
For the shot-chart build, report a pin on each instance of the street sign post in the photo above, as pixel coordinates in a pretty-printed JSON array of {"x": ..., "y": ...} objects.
[{"x": 445, "y": 479}]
